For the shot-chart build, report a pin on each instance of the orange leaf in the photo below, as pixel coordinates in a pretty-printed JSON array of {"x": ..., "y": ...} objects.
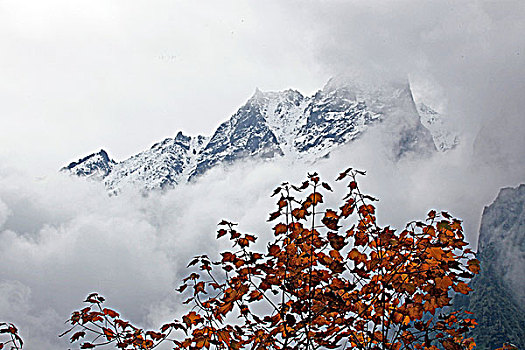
[
  {"x": 280, "y": 228},
  {"x": 330, "y": 220},
  {"x": 343, "y": 174},
  {"x": 315, "y": 198},
  {"x": 366, "y": 209},
  {"x": 299, "y": 213},
  {"x": 274, "y": 250},
  {"x": 361, "y": 238},
  {"x": 443, "y": 283},
  {"x": 255, "y": 295},
  {"x": 110, "y": 313},
  {"x": 436, "y": 252},
  {"x": 462, "y": 288},
  {"x": 243, "y": 242},
  {"x": 191, "y": 318},
  {"x": 108, "y": 333},
  {"x": 327, "y": 186},
  {"x": 335, "y": 255},
  {"x": 336, "y": 241},
  {"x": 473, "y": 266},
  {"x": 155, "y": 335},
  {"x": 274, "y": 215},
  {"x": 77, "y": 336}
]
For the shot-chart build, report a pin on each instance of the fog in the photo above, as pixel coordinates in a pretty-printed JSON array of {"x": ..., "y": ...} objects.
[
  {"x": 64, "y": 237},
  {"x": 123, "y": 75}
]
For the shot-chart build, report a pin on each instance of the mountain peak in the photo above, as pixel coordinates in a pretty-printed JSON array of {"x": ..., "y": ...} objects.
[
  {"x": 102, "y": 154},
  {"x": 273, "y": 124},
  {"x": 180, "y": 137},
  {"x": 257, "y": 94},
  {"x": 97, "y": 165}
]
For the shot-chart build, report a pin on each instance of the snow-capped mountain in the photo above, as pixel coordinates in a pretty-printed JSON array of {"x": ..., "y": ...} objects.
[{"x": 275, "y": 124}]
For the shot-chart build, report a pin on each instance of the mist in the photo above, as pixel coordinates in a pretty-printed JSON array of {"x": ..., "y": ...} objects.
[
  {"x": 64, "y": 237},
  {"x": 127, "y": 74}
]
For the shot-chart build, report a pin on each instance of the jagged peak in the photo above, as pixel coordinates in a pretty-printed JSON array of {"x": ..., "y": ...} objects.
[
  {"x": 289, "y": 94},
  {"x": 285, "y": 119},
  {"x": 102, "y": 153},
  {"x": 257, "y": 94},
  {"x": 183, "y": 138},
  {"x": 180, "y": 139},
  {"x": 510, "y": 192}
]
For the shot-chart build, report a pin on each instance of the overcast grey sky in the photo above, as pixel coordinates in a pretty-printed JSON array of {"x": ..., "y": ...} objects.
[{"x": 80, "y": 75}]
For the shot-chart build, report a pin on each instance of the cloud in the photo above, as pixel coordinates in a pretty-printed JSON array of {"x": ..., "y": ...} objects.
[
  {"x": 40, "y": 323},
  {"x": 120, "y": 75},
  {"x": 465, "y": 59},
  {"x": 63, "y": 237}
]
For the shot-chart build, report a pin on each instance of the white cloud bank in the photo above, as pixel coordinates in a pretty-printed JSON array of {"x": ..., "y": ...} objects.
[{"x": 63, "y": 238}]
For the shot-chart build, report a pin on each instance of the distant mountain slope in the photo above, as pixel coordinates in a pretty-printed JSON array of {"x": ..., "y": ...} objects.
[
  {"x": 273, "y": 124},
  {"x": 498, "y": 296}
]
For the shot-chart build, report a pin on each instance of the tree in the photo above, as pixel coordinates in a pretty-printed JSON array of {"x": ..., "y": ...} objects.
[
  {"x": 329, "y": 279},
  {"x": 9, "y": 336}
]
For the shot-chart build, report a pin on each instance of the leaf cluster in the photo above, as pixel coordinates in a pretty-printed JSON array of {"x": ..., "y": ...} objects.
[
  {"x": 330, "y": 278},
  {"x": 105, "y": 326}
]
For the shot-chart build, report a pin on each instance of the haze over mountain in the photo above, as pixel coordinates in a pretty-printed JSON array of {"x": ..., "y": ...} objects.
[{"x": 498, "y": 296}]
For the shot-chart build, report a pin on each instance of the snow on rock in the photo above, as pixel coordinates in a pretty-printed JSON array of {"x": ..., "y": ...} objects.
[
  {"x": 274, "y": 124},
  {"x": 245, "y": 134},
  {"x": 96, "y": 166},
  {"x": 444, "y": 138},
  {"x": 160, "y": 167}
]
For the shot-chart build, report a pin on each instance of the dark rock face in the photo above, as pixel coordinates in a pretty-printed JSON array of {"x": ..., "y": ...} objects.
[
  {"x": 498, "y": 295},
  {"x": 502, "y": 234},
  {"x": 273, "y": 124},
  {"x": 334, "y": 117},
  {"x": 246, "y": 134}
]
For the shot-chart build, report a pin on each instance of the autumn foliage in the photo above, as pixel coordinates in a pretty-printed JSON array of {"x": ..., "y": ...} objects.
[{"x": 330, "y": 278}]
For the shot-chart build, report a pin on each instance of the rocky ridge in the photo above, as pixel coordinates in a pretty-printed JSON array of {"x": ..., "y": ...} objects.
[
  {"x": 498, "y": 297},
  {"x": 275, "y": 124}
]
